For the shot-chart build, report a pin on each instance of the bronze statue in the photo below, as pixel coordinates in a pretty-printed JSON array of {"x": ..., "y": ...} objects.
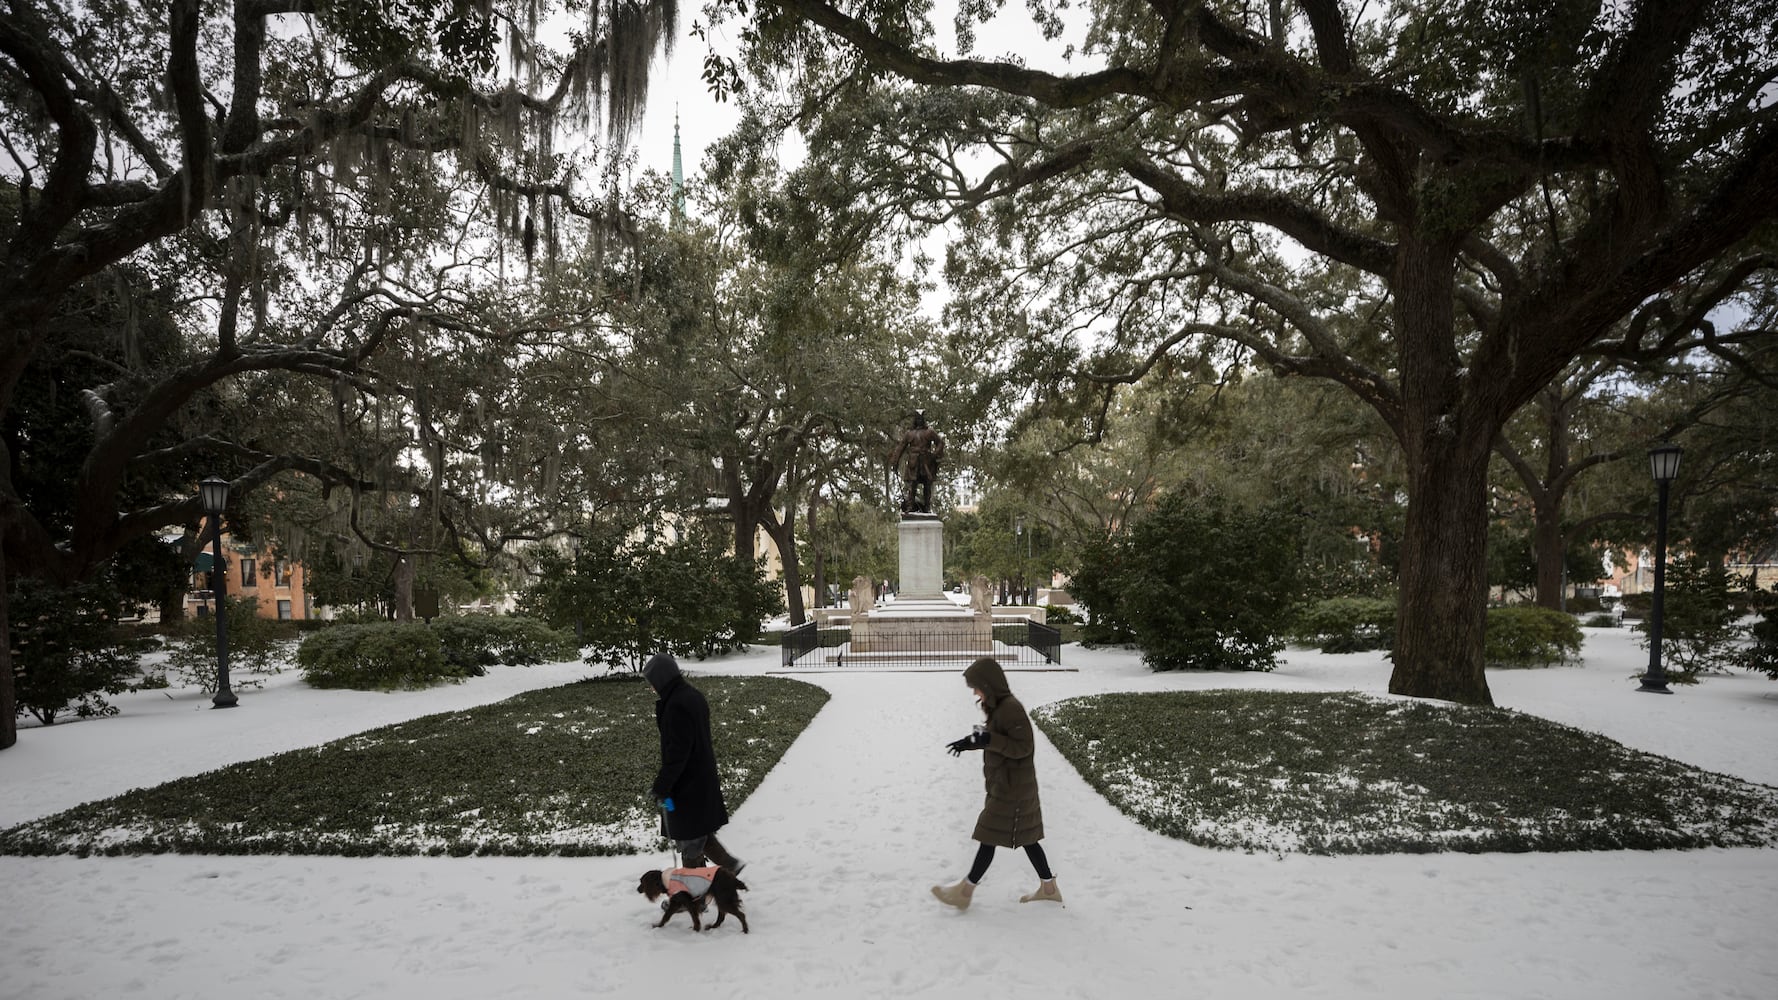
[{"x": 916, "y": 455}]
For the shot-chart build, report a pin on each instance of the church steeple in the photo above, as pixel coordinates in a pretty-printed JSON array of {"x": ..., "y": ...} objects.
[{"x": 678, "y": 171}]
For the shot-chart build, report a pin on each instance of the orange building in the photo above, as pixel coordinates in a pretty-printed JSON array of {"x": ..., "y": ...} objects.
[{"x": 277, "y": 584}]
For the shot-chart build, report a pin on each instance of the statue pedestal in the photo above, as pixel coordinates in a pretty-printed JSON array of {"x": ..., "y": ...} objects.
[
  {"x": 921, "y": 624},
  {"x": 922, "y": 559}
]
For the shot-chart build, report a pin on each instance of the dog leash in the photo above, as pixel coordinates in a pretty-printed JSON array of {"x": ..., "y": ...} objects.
[{"x": 672, "y": 845}]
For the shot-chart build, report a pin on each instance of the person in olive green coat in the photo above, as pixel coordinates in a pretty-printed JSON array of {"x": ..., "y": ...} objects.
[{"x": 1013, "y": 813}]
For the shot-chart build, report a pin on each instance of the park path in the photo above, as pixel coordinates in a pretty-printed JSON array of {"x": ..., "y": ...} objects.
[{"x": 867, "y": 810}]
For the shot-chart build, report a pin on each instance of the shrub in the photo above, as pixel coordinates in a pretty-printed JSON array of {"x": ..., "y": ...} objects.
[
  {"x": 1200, "y": 583},
  {"x": 1098, "y": 586},
  {"x": 68, "y": 650},
  {"x": 475, "y": 642},
  {"x": 1699, "y": 627},
  {"x": 1347, "y": 624},
  {"x": 1604, "y": 619},
  {"x": 626, "y": 597},
  {"x": 1529, "y": 636},
  {"x": 262, "y": 645},
  {"x": 380, "y": 657},
  {"x": 1055, "y": 614},
  {"x": 1761, "y": 654}
]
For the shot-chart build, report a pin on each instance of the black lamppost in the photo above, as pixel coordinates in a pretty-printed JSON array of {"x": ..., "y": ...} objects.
[
  {"x": 214, "y": 492},
  {"x": 1017, "y": 532},
  {"x": 1663, "y": 464}
]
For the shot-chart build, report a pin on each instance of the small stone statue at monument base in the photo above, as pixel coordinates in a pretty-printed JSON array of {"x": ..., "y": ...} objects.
[
  {"x": 981, "y": 594},
  {"x": 916, "y": 455},
  {"x": 863, "y": 595}
]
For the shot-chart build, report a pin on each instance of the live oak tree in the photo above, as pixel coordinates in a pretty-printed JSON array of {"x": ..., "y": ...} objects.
[
  {"x": 750, "y": 373},
  {"x": 290, "y": 172},
  {"x": 1683, "y": 355},
  {"x": 1577, "y": 456},
  {"x": 1341, "y": 191},
  {"x": 1253, "y": 439},
  {"x": 1566, "y": 457},
  {"x": 1728, "y": 485}
]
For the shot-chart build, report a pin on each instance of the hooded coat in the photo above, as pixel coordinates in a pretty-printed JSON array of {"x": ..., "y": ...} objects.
[
  {"x": 688, "y": 756},
  {"x": 1012, "y": 816}
]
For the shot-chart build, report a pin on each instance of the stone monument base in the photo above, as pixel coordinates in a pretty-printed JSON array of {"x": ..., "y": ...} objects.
[
  {"x": 922, "y": 558},
  {"x": 936, "y": 629},
  {"x": 921, "y": 623}
]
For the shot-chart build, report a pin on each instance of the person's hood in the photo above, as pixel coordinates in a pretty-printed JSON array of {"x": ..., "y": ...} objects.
[
  {"x": 660, "y": 671},
  {"x": 987, "y": 675}
]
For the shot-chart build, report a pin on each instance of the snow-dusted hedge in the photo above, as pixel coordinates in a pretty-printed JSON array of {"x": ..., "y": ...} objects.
[
  {"x": 378, "y": 657},
  {"x": 1530, "y": 636},
  {"x": 388, "y": 655}
]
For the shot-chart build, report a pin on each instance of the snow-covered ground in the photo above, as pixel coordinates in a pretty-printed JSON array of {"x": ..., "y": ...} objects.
[{"x": 843, "y": 839}]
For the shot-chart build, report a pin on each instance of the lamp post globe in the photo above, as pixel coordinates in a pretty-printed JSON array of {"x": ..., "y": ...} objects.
[
  {"x": 213, "y": 492},
  {"x": 1663, "y": 465}
]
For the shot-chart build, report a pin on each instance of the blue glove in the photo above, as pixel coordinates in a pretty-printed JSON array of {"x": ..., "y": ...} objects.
[{"x": 667, "y": 803}]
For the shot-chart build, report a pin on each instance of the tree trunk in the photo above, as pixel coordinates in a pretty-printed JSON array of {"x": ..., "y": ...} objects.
[
  {"x": 1444, "y": 576},
  {"x": 785, "y": 535},
  {"x": 1447, "y": 437},
  {"x": 404, "y": 588},
  {"x": 9, "y": 722},
  {"x": 172, "y": 604},
  {"x": 1547, "y": 543},
  {"x": 819, "y": 564},
  {"x": 746, "y": 521},
  {"x": 1549, "y": 549}
]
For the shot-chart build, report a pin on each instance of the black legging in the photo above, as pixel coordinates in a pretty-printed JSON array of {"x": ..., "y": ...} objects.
[{"x": 984, "y": 856}]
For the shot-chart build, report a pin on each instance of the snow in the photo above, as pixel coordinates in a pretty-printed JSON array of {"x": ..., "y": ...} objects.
[{"x": 844, "y": 837}]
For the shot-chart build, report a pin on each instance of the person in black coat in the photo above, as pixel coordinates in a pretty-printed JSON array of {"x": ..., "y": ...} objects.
[{"x": 687, "y": 785}]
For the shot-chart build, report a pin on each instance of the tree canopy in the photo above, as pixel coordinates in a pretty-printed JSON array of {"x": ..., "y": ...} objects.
[
  {"x": 283, "y": 178},
  {"x": 1436, "y": 207}
]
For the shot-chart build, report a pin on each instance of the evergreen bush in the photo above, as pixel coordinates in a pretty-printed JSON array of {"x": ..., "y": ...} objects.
[
  {"x": 1700, "y": 629},
  {"x": 1347, "y": 624},
  {"x": 380, "y": 657},
  {"x": 67, "y": 649},
  {"x": 1761, "y": 654},
  {"x": 1526, "y": 635},
  {"x": 1199, "y": 583},
  {"x": 1054, "y": 614},
  {"x": 260, "y": 645},
  {"x": 628, "y": 597},
  {"x": 1098, "y": 585},
  {"x": 476, "y": 642}
]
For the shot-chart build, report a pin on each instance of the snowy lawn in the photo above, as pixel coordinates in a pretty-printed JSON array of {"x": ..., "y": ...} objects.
[
  {"x": 506, "y": 778},
  {"x": 1268, "y": 771},
  {"x": 842, "y": 839},
  {"x": 1358, "y": 774}
]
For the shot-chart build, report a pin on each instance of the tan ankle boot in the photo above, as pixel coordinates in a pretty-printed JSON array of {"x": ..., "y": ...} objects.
[
  {"x": 957, "y": 895},
  {"x": 1046, "y": 893}
]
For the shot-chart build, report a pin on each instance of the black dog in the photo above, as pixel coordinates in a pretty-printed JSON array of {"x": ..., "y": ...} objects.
[{"x": 724, "y": 888}]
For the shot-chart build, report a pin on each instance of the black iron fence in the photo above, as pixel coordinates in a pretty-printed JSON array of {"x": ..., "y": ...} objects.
[
  {"x": 1044, "y": 640},
  {"x": 1021, "y": 643},
  {"x": 798, "y": 641}
]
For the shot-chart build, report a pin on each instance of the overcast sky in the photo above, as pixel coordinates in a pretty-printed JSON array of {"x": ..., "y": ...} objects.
[{"x": 677, "y": 83}]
